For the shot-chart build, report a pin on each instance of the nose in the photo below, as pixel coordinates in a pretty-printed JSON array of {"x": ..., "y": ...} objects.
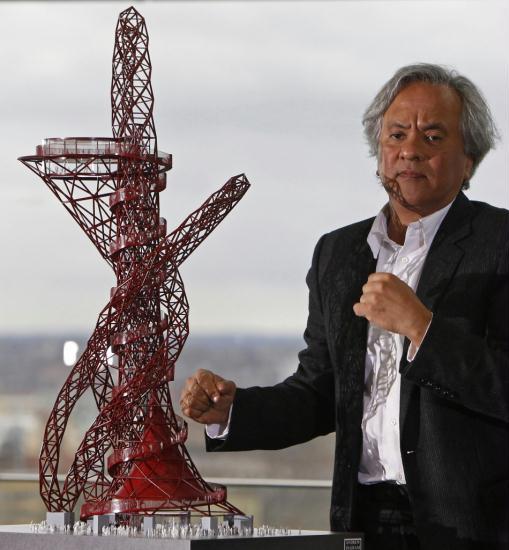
[
  {"x": 411, "y": 155},
  {"x": 411, "y": 148}
]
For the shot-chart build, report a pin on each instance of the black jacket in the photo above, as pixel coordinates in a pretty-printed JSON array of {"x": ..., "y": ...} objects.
[{"x": 454, "y": 411}]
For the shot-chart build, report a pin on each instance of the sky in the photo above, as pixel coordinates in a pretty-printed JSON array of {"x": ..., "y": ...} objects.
[{"x": 275, "y": 90}]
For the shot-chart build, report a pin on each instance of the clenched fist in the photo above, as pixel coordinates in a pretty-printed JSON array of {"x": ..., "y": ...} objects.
[
  {"x": 391, "y": 304},
  {"x": 207, "y": 397}
]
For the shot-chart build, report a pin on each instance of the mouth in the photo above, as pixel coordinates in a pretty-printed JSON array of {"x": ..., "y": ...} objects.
[{"x": 410, "y": 175}]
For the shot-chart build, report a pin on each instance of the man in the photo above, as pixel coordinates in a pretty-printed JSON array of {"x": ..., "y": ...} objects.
[{"x": 407, "y": 338}]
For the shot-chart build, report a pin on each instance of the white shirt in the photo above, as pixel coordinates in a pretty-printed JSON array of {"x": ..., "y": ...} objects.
[{"x": 381, "y": 455}]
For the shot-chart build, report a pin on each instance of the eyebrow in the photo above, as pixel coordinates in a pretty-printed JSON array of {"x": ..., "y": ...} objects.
[
  {"x": 398, "y": 125},
  {"x": 434, "y": 126},
  {"x": 426, "y": 127}
]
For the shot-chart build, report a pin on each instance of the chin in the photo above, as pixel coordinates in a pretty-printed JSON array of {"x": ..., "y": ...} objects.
[{"x": 415, "y": 202}]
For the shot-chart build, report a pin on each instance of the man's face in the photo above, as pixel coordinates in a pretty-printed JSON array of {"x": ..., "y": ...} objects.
[{"x": 422, "y": 162}]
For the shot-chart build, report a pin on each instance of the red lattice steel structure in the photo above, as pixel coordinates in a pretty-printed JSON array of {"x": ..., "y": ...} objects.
[{"x": 132, "y": 459}]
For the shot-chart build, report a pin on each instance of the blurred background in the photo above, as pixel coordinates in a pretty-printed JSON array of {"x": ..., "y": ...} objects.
[{"x": 273, "y": 89}]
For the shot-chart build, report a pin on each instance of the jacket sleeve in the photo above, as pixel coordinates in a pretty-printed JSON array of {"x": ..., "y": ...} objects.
[
  {"x": 470, "y": 368},
  {"x": 297, "y": 409}
]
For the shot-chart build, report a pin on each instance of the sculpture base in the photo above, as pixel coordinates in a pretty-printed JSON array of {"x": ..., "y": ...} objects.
[{"x": 19, "y": 537}]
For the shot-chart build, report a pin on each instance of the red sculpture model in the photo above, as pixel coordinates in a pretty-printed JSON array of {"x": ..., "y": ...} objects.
[{"x": 132, "y": 459}]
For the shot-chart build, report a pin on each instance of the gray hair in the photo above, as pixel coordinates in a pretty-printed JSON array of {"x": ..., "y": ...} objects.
[{"x": 477, "y": 125}]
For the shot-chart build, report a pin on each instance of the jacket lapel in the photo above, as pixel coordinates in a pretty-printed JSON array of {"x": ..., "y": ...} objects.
[
  {"x": 348, "y": 331},
  {"x": 439, "y": 268},
  {"x": 347, "y": 279},
  {"x": 445, "y": 253}
]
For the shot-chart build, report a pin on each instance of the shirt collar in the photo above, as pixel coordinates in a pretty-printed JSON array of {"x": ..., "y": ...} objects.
[{"x": 426, "y": 228}]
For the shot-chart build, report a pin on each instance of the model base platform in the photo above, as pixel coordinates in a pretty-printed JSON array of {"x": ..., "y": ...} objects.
[{"x": 20, "y": 537}]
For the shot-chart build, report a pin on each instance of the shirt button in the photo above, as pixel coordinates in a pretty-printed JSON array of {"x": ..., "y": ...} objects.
[
  {"x": 404, "y": 260},
  {"x": 394, "y": 422}
]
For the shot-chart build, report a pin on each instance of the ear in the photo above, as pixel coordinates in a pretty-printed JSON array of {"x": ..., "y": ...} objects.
[{"x": 467, "y": 172}]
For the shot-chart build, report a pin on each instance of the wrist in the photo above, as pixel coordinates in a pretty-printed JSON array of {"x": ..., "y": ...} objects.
[{"x": 416, "y": 336}]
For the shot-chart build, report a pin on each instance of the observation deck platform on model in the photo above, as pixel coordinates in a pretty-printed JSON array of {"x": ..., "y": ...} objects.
[{"x": 92, "y": 156}]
